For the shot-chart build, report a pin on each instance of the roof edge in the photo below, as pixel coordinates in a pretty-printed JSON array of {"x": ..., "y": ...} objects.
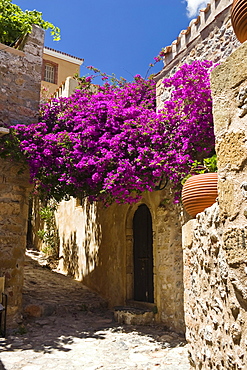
[{"x": 62, "y": 55}]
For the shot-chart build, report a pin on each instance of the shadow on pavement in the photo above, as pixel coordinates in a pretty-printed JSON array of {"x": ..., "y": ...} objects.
[
  {"x": 68, "y": 310},
  {"x": 46, "y": 334}
]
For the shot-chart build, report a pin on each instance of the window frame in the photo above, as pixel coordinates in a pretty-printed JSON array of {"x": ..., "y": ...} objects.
[{"x": 55, "y": 68}]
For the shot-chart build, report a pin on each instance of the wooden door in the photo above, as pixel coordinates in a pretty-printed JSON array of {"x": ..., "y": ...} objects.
[{"x": 143, "y": 255}]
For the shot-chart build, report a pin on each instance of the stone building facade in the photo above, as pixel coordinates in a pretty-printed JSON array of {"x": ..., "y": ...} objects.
[
  {"x": 208, "y": 37},
  {"x": 199, "y": 284},
  {"x": 214, "y": 244},
  {"x": 98, "y": 244},
  {"x": 20, "y": 79},
  {"x": 97, "y": 247},
  {"x": 56, "y": 68},
  {"x": 106, "y": 262}
]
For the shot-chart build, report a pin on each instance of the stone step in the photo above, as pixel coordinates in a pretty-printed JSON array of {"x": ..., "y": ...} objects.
[{"x": 132, "y": 315}]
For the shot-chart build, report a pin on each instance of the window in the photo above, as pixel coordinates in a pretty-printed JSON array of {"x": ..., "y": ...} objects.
[{"x": 49, "y": 71}]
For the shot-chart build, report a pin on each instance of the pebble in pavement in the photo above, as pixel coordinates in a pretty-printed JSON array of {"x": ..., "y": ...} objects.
[{"x": 76, "y": 331}]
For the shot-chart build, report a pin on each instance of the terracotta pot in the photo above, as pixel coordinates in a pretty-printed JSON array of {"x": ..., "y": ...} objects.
[
  {"x": 239, "y": 19},
  {"x": 199, "y": 192}
]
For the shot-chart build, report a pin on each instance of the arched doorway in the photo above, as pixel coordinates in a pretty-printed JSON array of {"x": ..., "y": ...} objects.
[{"x": 143, "y": 255}]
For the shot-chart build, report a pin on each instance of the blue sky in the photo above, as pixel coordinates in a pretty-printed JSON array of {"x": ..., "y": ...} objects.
[{"x": 116, "y": 36}]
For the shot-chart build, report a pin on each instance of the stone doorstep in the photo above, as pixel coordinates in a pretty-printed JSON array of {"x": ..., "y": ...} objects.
[
  {"x": 138, "y": 313},
  {"x": 144, "y": 305}
]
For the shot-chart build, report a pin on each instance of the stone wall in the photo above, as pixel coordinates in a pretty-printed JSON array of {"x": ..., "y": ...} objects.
[
  {"x": 215, "y": 254},
  {"x": 209, "y": 37},
  {"x": 96, "y": 246},
  {"x": 20, "y": 78},
  {"x": 15, "y": 189},
  {"x": 215, "y": 307}
]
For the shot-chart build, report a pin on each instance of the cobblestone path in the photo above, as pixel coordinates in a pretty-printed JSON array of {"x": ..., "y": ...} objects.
[{"x": 74, "y": 330}]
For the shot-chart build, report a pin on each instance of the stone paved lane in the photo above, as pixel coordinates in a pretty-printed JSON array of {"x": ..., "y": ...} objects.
[{"x": 84, "y": 334}]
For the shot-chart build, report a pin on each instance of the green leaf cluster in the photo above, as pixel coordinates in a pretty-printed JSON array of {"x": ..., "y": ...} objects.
[
  {"x": 49, "y": 234},
  {"x": 15, "y": 23},
  {"x": 208, "y": 165},
  {"x": 211, "y": 163}
]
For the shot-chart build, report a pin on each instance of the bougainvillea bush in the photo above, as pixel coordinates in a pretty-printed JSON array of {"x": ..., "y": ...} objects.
[
  {"x": 188, "y": 115},
  {"x": 110, "y": 143}
]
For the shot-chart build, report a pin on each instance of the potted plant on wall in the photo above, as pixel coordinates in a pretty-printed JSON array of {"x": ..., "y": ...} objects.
[{"x": 200, "y": 188}]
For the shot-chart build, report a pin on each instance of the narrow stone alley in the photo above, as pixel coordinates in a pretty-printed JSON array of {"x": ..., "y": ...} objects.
[{"x": 66, "y": 327}]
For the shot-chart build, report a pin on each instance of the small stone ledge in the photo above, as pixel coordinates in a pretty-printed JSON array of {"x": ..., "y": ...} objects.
[
  {"x": 134, "y": 315},
  {"x": 11, "y": 50},
  {"x": 134, "y": 310}
]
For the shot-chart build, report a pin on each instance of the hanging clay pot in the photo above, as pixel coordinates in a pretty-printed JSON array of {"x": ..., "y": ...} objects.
[
  {"x": 199, "y": 192},
  {"x": 239, "y": 19}
]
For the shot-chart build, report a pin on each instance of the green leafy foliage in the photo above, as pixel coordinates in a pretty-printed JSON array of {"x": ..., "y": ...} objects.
[
  {"x": 209, "y": 165},
  {"x": 49, "y": 234},
  {"x": 16, "y": 23}
]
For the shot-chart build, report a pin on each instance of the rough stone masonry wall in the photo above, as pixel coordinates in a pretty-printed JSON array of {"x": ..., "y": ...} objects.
[
  {"x": 14, "y": 197},
  {"x": 20, "y": 78},
  {"x": 215, "y": 243},
  {"x": 209, "y": 37}
]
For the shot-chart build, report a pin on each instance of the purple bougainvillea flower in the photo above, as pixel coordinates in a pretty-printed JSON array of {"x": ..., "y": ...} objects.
[{"x": 112, "y": 145}]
